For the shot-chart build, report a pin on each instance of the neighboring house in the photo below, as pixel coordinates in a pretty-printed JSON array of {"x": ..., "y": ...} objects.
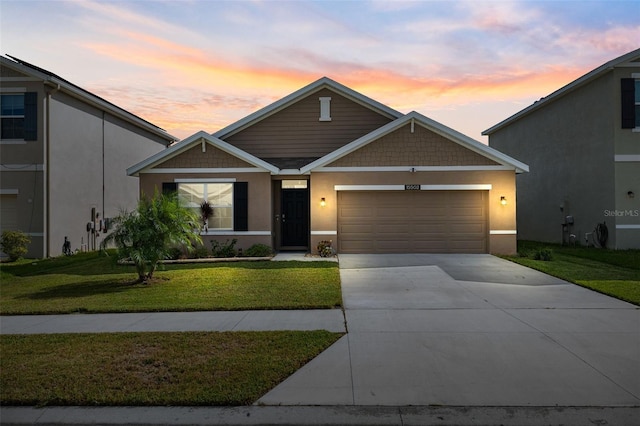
[
  {"x": 583, "y": 145},
  {"x": 63, "y": 155},
  {"x": 328, "y": 163}
]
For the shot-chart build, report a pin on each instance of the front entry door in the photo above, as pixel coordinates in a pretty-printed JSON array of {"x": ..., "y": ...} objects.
[{"x": 295, "y": 219}]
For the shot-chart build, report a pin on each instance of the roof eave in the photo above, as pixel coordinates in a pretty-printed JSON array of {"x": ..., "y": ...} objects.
[
  {"x": 187, "y": 143},
  {"x": 430, "y": 124}
]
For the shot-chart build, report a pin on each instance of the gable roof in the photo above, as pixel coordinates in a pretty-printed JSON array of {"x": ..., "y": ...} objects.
[
  {"x": 60, "y": 83},
  {"x": 431, "y": 125},
  {"x": 603, "y": 69},
  {"x": 192, "y": 141},
  {"x": 323, "y": 83}
]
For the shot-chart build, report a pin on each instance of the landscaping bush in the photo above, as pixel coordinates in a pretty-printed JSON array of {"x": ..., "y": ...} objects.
[
  {"x": 544, "y": 254},
  {"x": 325, "y": 249},
  {"x": 201, "y": 252},
  {"x": 224, "y": 250},
  {"x": 175, "y": 253},
  {"x": 14, "y": 244},
  {"x": 258, "y": 250}
]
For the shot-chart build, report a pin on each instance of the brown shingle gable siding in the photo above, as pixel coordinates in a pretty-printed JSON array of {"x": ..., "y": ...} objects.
[
  {"x": 297, "y": 132},
  {"x": 212, "y": 158},
  {"x": 403, "y": 148}
]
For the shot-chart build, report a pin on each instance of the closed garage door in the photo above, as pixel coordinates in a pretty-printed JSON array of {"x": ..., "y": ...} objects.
[{"x": 412, "y": 222}]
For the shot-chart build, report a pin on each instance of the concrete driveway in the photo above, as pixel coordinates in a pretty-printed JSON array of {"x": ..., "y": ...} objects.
[{"x": 470, "y": 330}]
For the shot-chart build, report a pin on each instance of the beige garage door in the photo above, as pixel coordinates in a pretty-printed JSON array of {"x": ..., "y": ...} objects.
[{"x": 412, "y": 222}]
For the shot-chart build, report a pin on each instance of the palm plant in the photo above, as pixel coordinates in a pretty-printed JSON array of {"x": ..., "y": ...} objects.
[{"x": 146, "y": 235}]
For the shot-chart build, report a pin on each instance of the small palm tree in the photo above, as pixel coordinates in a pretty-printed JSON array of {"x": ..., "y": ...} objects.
[{"x": 146, "y": 235}]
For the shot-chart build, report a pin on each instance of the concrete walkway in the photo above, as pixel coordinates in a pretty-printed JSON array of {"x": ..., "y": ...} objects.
[
  {"x": 320, "y": 319},
  {"x": 432, "y": 339}
]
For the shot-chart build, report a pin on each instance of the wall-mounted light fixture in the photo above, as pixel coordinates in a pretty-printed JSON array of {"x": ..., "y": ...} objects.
[
  {"x": 630, "y": 194},
  {"x": 322, "y": 202},
  {"x": 503, "y": 200}
]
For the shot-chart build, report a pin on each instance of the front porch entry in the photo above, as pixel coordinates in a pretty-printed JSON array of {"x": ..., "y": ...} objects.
[{"x": 292, "y": 214}]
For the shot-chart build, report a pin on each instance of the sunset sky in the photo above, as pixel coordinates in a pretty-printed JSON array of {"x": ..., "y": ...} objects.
[{"x": 201, "y": 65}]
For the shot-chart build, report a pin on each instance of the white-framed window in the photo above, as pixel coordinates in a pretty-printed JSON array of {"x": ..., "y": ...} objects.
[
  {"x": 12, "y": 116},
  {"x": 218, "y": 195}
]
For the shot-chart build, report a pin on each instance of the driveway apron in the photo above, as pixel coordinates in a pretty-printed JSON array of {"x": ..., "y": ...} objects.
[{"x": 470, "y": 330}]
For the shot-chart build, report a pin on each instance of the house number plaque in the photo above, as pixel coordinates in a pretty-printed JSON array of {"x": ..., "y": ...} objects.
[{"x": 412, "y": 187}]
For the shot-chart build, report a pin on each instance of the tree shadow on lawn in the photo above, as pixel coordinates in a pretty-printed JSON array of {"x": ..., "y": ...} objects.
[{"x": 84, "y": 289}]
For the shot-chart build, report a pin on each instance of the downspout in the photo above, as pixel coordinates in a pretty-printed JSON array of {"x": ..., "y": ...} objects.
[{"x": 103, "y": 174}]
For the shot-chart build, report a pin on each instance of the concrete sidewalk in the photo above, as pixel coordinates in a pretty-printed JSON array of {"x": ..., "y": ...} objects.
[
  {"x": 318, "y": 416},
  {"x": 324, "y": 319}
]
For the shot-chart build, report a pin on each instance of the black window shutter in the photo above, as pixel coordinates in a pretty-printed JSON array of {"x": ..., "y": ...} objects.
[
  {"x": 31, "y": 116},
  {"x": 169, "y": 188},
  {"x": 628, "y": 98},
  {"x": 241, "y": 206}
]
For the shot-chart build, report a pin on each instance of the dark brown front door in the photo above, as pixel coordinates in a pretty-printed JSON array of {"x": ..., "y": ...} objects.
[{"x": 295, "y": 219}]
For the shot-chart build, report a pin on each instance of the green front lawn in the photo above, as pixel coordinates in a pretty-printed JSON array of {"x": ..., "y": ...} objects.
[
  {"x": 152, "y": 368},
  {"x": 612, "y": 272},
  {"x": 91, "y": 282}
]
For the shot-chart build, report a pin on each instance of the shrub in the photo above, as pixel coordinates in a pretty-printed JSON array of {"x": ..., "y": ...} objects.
[
  {"x": 175, "y": 253},
  {"x": 224, "y": 250},
  {"x": 200, "y": 252},
  {"x": 544, "y": 254},
  {"x": 325, "y": 249},
  {"x": 258, "y": 250},
  {"x": 14, "y": 244}
]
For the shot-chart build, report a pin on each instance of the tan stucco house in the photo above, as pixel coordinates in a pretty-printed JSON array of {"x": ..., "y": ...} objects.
[
  {"x": 64, "y": 152},
  {"x": 328, "y": 163},
  {"x": 583, "y": 145}
]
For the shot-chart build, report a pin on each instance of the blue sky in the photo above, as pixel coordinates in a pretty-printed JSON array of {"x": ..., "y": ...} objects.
[{"x": 200, "y": 65}]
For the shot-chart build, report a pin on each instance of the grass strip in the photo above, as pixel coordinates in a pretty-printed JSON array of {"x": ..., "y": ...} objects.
[
  {"x": 147, "y": 369},
  {"x": 93, "y": 283},
  {"x": 612, "y": 272}
]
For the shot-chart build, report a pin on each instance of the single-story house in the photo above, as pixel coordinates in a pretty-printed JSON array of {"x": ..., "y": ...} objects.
[{"x": 328, "y": 163}]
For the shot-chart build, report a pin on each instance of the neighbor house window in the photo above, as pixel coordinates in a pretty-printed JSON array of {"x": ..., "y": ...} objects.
[
  {"x": 219, "y": 196},
  {"x": 630, "y": 97},
  {"x": 637, "y": 102},
  {"x": 18, "y": 115}
]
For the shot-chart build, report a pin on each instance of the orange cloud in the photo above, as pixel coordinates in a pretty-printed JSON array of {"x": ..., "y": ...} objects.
[
  {"x": 236, "y": 89},
  {"x": 211, "y": 89}
]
